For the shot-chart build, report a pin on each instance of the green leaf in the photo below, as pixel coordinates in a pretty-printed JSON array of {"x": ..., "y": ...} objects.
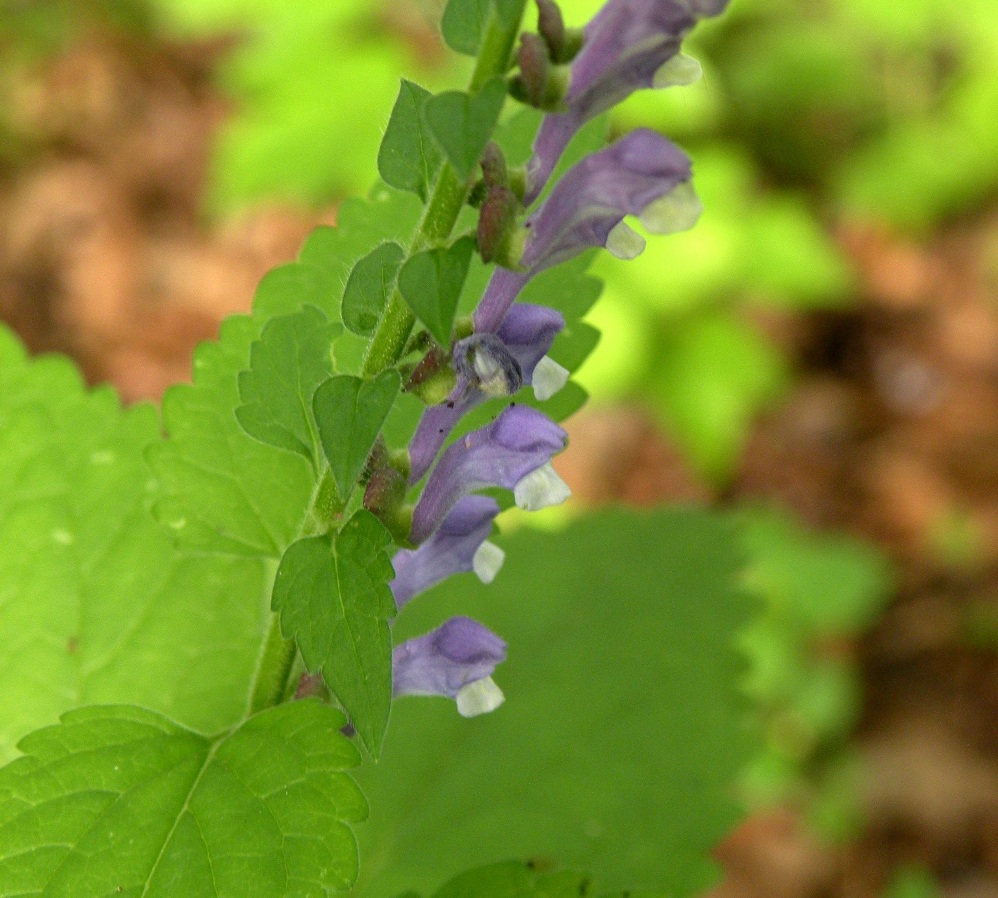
[
  {"x": 350, "y": 413},
  {"x": 119, "y": 800},
  {"x": 96, "y": 603},
  {"x": 463, "y": 125},
  {"x": 222, "y": 490},
  {"x": 824, "y": 584},
  {"x": 287, "y": 363},
  {"x": 464, "y": 21},
  {"x": 334, "y": 600},
  {"x": 409, "y": 158},
  {"x": 431, "y": 283},
  {"x": 290, "y": 287},
  {"x": 369, "y": 286},
  {"x": 463, "y": 24},
  {"x": 714, "y": 375},
  {"x": 623, "y": 712},
  {"x": 514, "y": 879}
]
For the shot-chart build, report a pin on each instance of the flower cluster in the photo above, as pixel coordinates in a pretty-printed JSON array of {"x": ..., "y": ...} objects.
[{"x": 628, "y": 45}]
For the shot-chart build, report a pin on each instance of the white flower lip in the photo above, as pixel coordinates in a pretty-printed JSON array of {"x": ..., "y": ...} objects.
[
  {"x": 679, "y": 71},
  {"x": 487, "y": 561},
  {"x": 624, "y": 242},
  {"x": 677, "y": 211},
  {"x": 541, "y": 488},
  {"x": 479, "y": 697},
  {"x": 548, "y": 378}
]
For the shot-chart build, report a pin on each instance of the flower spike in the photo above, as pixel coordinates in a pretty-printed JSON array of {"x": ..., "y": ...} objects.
[
  {"x": 629, "y": 45},
  {"x": 641, "y": 174}
]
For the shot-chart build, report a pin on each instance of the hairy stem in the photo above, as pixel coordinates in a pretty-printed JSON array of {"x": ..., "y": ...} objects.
[
  {"x": 275, "y": 668},
  {"x": 446, "y": 201}
]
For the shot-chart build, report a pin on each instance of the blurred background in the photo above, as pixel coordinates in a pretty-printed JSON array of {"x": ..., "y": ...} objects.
[{"x": 820, "y": 355}]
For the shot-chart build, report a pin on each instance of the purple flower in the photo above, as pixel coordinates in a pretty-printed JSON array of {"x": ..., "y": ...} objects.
[
  {"x": 513, "y": 452},
  {"x": 456, "y": 660},
  {"x": 526, "y": 333},
  {"x": 641, "y": 174},
  {"x": 460, "y": 543},
  {"x": 629, "y": 44}
]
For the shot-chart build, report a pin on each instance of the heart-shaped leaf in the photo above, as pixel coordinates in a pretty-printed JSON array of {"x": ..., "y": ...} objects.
[
  {"x": 349, "y": 412},
  {"x": 334, "y": 600},
  {"x": 431, "y": 283},
  {"x": 409, "y": 158},
  {"x": 287, "y": 363},
  {"x": 371, "y": 282},
  {"x": 464, "y": 21},
  {"x": 463, "y": 124}
]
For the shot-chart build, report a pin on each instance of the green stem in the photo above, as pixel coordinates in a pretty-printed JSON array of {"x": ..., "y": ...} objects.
[
  {"x": 446, "y": 201},
  {"x": 275, "y": 667},
  {"x": 270, "y": 684},
  {"x": 447, "y": 198}
]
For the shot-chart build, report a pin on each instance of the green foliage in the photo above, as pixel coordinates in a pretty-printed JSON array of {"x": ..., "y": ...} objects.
[
  {"x": 431, "y": 283},
  {"x": 912, "y": 881},
  {"x": 350, "y": 413},
  {"x": 409, "y": 157},
  {"x": 463, "y": 124},
  {"x": 464, "y": 21},
  {"x": 713, "y": 374},
  {"x": 818, "y": 590},
  {"x": 832, "y": 584},
  {"x": 96, "y": 605},
  {"x": 119, "y": 800},
  {"x": 291, "y": 358},
  {"x": 369, "y": 287},
  {"x": 223, "y": 490},
  {"x": 334, "y": 600},
  {"x": 311, "y": 82},
  {"x": 622, "y": 714},
  {"x": 512, "y": 879}
]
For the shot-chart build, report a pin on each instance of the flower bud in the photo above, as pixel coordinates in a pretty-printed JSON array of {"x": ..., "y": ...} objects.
[
  {"x": 432, "y": 379},
  {"x": 384, "y": 497},
  {"x": 497, "y": 225},
  {"x": 485, "y": 362}
]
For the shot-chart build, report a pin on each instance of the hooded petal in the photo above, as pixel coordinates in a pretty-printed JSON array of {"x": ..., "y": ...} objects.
[
  {"x": 595, "y": 194},
  {"x": 452, "y": 549},
  {"x": 626, "y": 45},
  {"x": 518, "y": 442},
  {"x": 634, "y": 176},
  {"x": 456, "y": 660}
]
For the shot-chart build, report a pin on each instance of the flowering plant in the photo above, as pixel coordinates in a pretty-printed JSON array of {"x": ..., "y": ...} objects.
[{"x": 334, "y": 456}]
